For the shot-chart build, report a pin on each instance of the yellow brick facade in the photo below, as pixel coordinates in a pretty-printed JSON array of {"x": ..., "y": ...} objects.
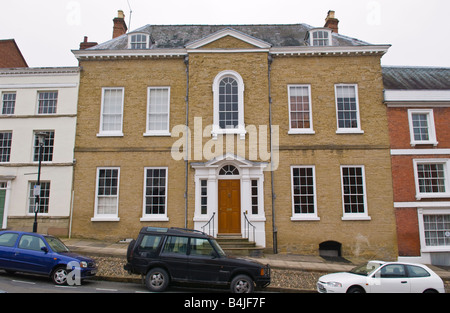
[{"x": 325, "y": 150}]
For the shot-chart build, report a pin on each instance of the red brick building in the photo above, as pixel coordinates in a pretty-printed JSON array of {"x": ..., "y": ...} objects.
[
  {"x": 10, "y": 55},
  {"x": 418, "y": 106}
]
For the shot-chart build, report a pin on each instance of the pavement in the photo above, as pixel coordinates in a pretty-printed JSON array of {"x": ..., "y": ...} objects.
[{"x": 276, "y": 261}]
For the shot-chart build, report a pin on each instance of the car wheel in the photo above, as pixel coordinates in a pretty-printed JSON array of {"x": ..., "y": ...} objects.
[
  {"x": 157, "y": 280},
  {"x": 59, "y": 275},
  {"x": 355, "y": 289},
  {"x": 242, "y": 284}
]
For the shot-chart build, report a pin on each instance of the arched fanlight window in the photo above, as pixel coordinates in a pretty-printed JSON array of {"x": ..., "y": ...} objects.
[
  {"x": 228, "y": 103},
  {"x": 228, "y": 89},
  {"x": 229, "y": 170}
]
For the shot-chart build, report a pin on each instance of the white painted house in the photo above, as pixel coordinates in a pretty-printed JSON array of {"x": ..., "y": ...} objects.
[{"x": 37, "y": 100}]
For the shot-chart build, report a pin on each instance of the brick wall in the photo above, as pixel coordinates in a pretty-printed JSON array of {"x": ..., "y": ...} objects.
[{"x": 408, "y": 232}]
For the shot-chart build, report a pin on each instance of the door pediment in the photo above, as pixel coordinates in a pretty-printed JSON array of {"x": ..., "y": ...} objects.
[{"x": 229, "y": 157}]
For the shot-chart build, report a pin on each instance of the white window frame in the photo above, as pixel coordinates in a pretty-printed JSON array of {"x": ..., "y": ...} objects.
[
  {"x": 346, "y": 130},
  {"x": 445, "y": 163},
  {"x": 5, "y": 148},
  {"x": 36, "y": 148},
  {"x": 109, "y": 133},
  {"x": 131, "y": 42},
  {"x": 32, "y": 197},
  {"x": 304, "y": 216},
  {"x": 106, "y": 217},
  {"x": 430, "y": 211},
  {"x": 240, "y": 129},
  {"x": 318, "y": 30},
  {"x": 310, "y": 129},
  {"x": 155, "y": 217},
  {"x": 39, "y": 101},
  {"x": 431, "y": 128},
  {"x": 355, "y": 216},
  {"x": 165, "y": 132},
  {"x": 5, "y": 101}
]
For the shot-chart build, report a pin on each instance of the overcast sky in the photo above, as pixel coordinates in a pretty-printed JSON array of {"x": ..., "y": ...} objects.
[{"x": 47, "y": 30}]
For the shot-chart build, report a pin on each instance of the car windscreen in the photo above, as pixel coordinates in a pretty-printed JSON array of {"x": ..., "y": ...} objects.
[
  {"x": 56, "y": 244},
  {"x": 365, "y": 269}
]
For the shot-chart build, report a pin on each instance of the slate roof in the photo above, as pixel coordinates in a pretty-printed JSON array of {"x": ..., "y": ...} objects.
[
  {"x": 178, "y": 36},
  {"x": 416, "y": 78}
]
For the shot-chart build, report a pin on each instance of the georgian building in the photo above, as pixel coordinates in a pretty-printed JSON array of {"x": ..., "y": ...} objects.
[
  {"x": 417, "y": 100},
  {"x": 35, "y": 101},
  {"x": 276, "y": 133}
]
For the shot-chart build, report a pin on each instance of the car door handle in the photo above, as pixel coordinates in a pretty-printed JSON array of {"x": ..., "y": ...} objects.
[{"x": 404, "y": 282}]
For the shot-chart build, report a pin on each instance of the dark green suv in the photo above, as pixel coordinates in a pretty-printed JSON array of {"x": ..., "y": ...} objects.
[{"x": 166, "y": 255}]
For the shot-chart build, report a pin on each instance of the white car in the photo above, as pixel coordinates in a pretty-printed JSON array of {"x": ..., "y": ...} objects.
[{"x": 383, "y": 277}]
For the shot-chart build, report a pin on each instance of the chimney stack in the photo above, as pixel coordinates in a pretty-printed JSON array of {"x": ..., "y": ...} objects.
[
  {"x": 332, "y": 22},
  {"x": 120, "y": 27},
  {"x": 86, "y": 45}
]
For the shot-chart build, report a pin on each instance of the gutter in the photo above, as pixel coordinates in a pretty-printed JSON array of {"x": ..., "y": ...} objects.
[
  {"x": 186, "y": 159},
  {"x": 274, "y": 227}
]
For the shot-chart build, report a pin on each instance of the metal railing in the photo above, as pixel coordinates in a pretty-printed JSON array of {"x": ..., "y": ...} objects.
[
  {"x": 209, "y": 225},
  {"x": 247, "y": 228}
]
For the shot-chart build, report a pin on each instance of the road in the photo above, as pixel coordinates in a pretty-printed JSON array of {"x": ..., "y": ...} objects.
[{"x": 26, "y": 283}]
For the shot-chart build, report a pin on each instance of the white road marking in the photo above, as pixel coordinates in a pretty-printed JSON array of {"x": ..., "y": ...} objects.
[
  {"x": 105, "y": 289},
  {"x": 24, "y": 282}
]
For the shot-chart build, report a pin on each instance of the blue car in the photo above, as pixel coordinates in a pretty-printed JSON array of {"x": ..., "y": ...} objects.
[{"x": 44, "y": 255}]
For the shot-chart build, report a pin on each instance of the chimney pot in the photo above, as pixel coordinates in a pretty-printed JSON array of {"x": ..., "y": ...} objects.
[
  {"x": 86, "y": 44},
  {"x": 120, "y": 27},
  {"x": 332, "y": 22}
]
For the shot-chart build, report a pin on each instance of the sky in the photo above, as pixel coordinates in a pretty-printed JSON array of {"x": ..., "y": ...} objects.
[{"x": 47, "y": 30}]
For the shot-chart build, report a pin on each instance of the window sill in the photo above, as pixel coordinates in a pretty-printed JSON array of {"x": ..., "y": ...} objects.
[
  {"x": 229, "y": 131},
  {"x": 304, "y": 218},
  {"x": 154, "y": 219},
  {"x": 116, "y": 134},
  {"x": 432, "y": 195},
  {"x": 301, "y": 132},
  {"x": 105, "y": 219},
  {"x": 349, "y": 131},
  {"x": 157, "y": 134},
  {"x": 424, "y": 143},
  {"x": 356, "y": 218}
]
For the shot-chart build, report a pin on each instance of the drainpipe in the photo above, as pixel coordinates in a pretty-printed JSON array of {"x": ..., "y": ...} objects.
[
  {"x": 274, "y": 227},
  {"x": 186, "y": 159}
]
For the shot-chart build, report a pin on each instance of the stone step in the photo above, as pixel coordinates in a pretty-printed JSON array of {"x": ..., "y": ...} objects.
[{"x": 236, "y": 245}]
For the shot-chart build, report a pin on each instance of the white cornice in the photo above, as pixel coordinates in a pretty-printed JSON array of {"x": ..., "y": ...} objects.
[
  {"x": 126, "y": 54},
  {"x": 40, "y": 71},
  {"x": 420, "y": 151},
  {"x": 331, "y": 50},
  {"x": 403, "y": 97},
  {"x": 277, "y": 51}
]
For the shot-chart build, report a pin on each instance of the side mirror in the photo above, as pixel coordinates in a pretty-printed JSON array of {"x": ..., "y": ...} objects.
[
  {"x": 214, "y": 255},
  {"x": 44, "y": 249}
]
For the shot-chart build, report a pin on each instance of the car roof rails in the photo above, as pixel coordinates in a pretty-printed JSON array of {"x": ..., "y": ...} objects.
[{"x": 189, "y": 230}]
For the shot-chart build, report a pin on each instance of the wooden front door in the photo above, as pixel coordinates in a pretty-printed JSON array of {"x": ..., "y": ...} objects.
[{"x": 229, "y": 206}]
